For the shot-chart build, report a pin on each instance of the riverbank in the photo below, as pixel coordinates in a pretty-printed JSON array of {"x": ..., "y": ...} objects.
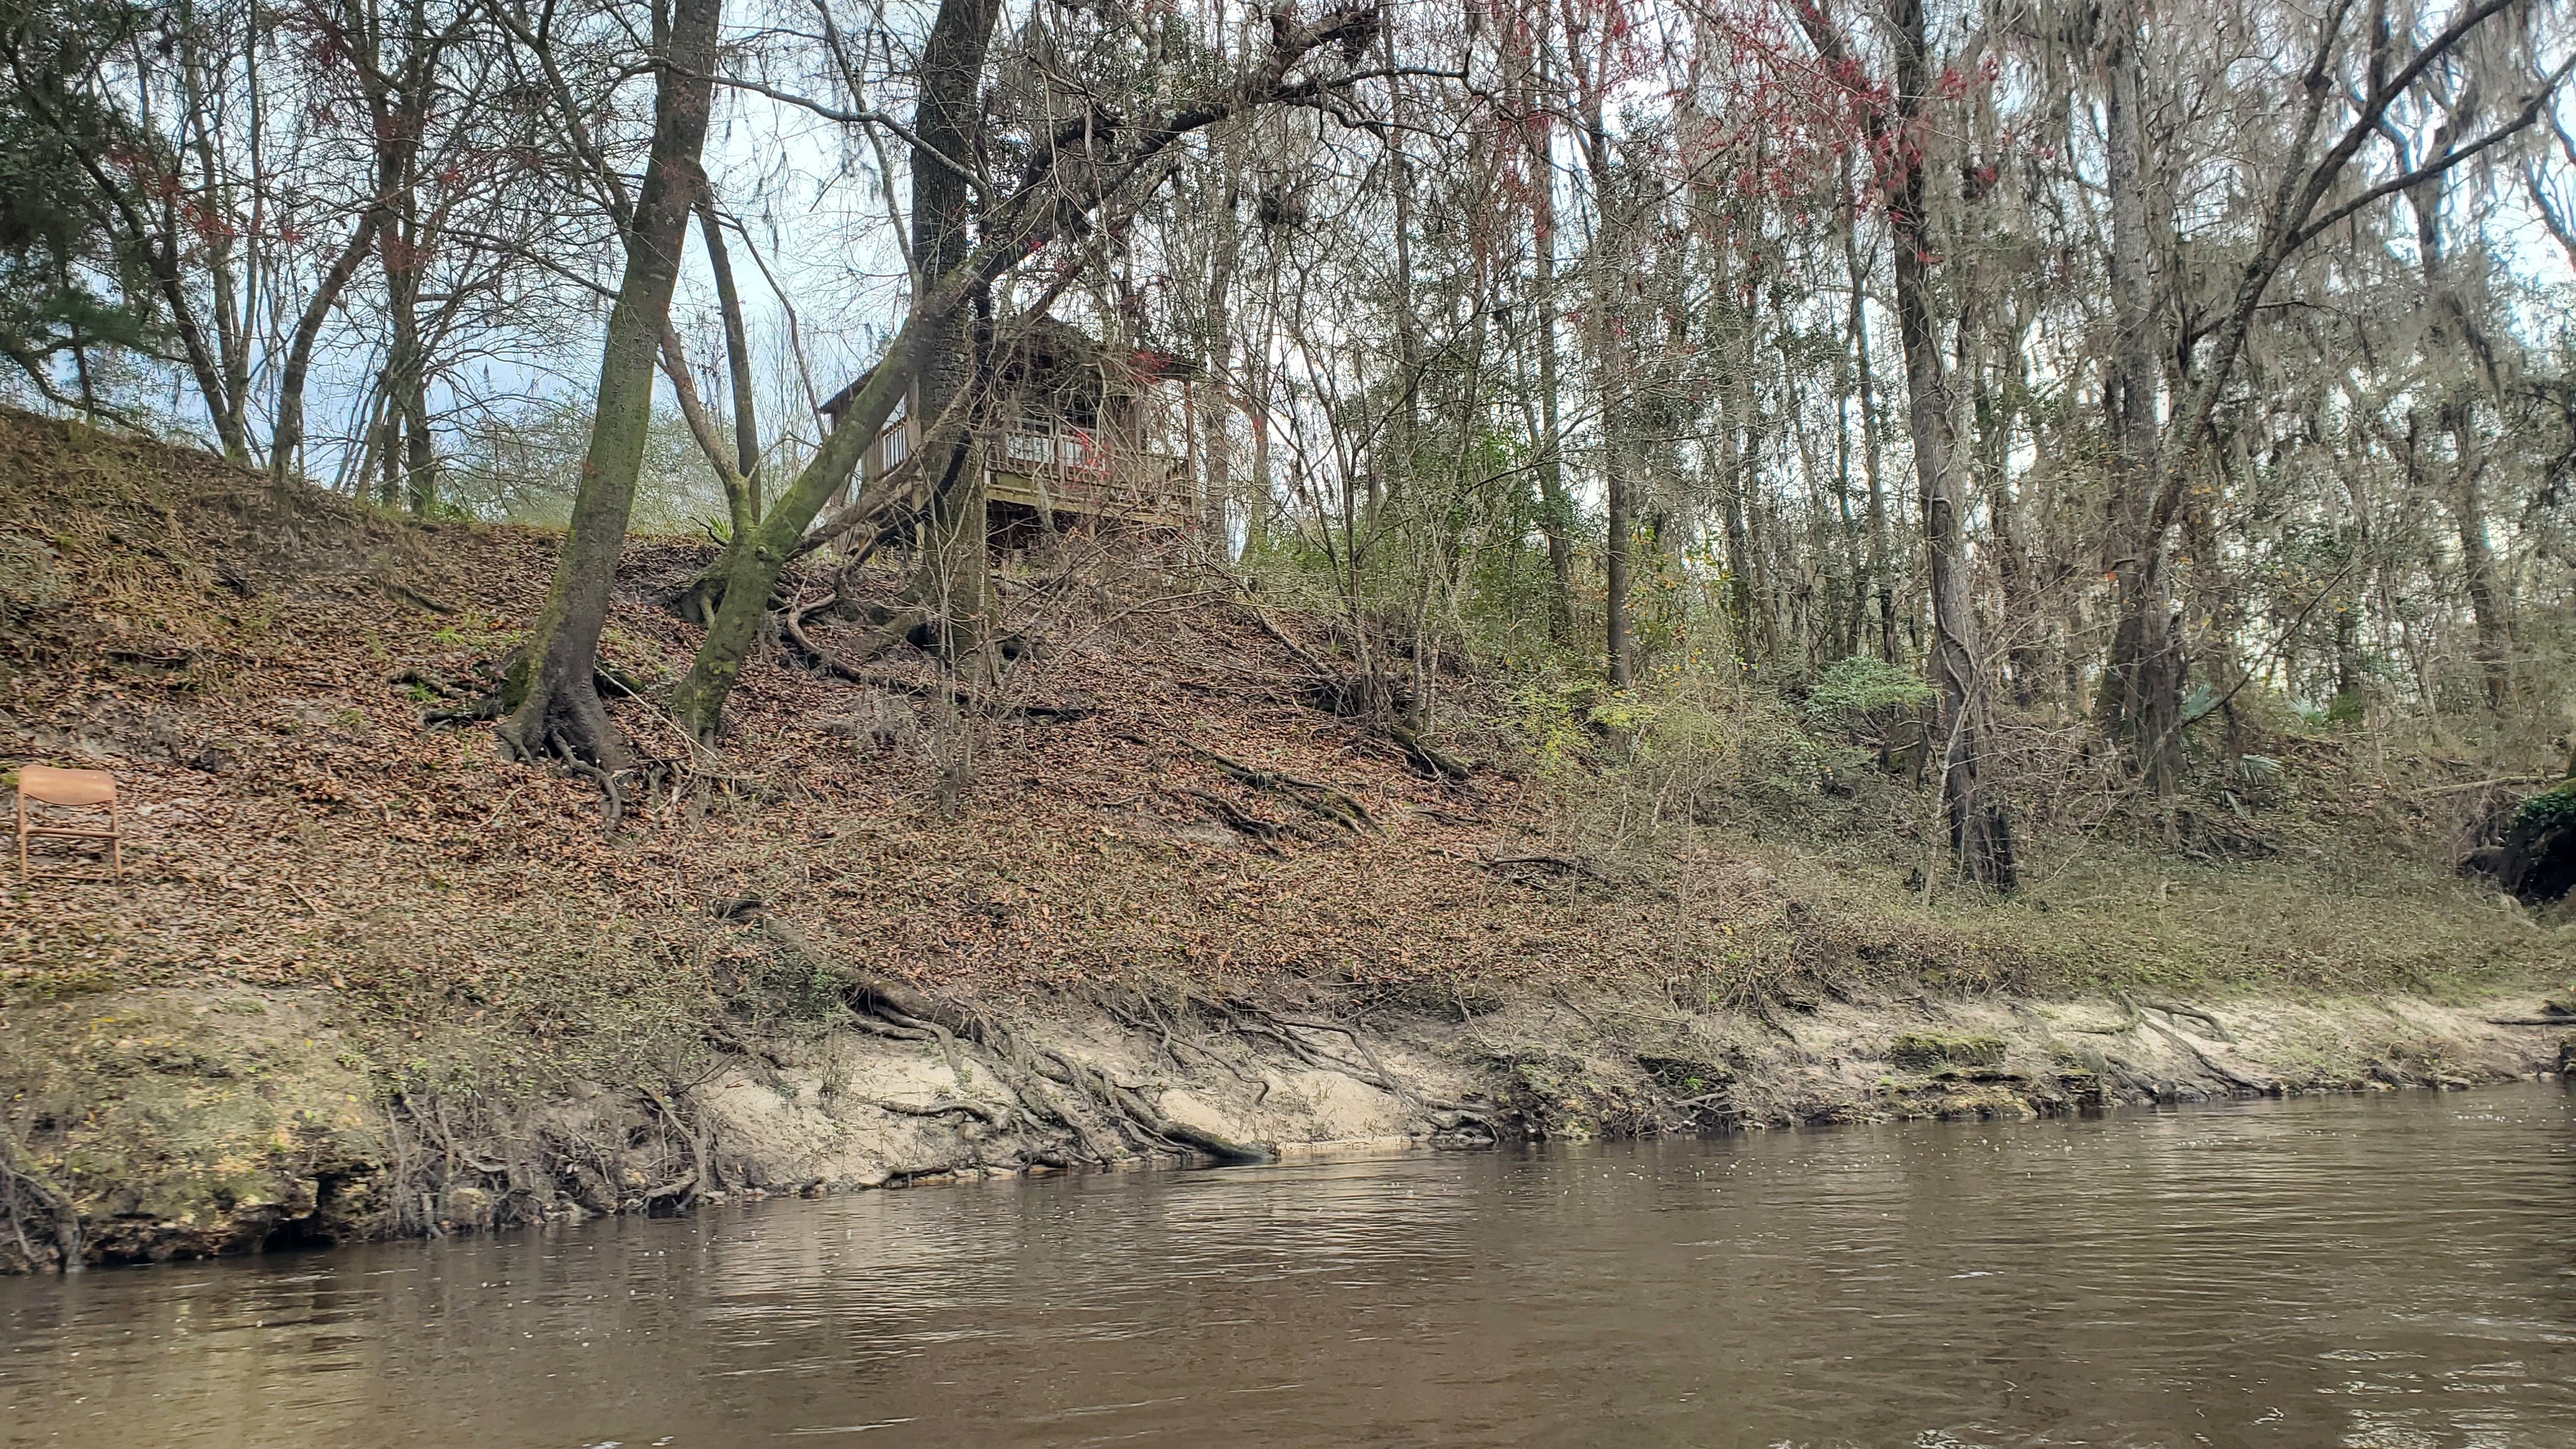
[
  {"x": 363, "y": 979},
  {"x": 226, "y": 1119}
]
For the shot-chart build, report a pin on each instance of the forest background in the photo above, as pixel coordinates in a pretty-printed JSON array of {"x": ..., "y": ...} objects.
[
  {"x": 1744, "y": 562},
  {"x": 2063, "y": 403}
]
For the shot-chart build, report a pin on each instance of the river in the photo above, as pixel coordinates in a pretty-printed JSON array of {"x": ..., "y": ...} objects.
[{"x": 2395, "y": 1272}]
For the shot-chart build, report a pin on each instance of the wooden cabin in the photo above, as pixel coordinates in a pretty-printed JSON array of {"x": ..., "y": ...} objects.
[{"x": 1077, "y": 436}]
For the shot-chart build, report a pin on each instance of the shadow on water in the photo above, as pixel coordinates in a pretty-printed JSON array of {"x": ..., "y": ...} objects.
[{"x": 2391, "y": 1272}]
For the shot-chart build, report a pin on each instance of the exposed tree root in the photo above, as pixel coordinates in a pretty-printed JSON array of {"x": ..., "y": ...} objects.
[
  {"x": 1025, "y": 1069},
  {"x": 1264, "y": 833},
  {"x": 905, "y": 1009},
  {"x": 1566, "y": 864},
  {"x": 885, "y": 676},
  {"x": 648, "y": 777},
  {"x": 1367, "y": 697},
  {"x": 977, "y": 1110},
  {"x": 27, "y": 1202},
  {"x": 1430, "y": 760},
  {"x": 405, "y": 593},
  {"x": 485, "y": 697},
  {"x": 1170, "y": 1041},
  {"x": 1446, "y": 1115},
  {"x": 1327, "y": 802},
  {"x": 2212, "y": 1065},
  {"x": 705, "y": 1177},
  {"x": 1760, "y": 1004},
  {"x": 2178, "y": 1010}
]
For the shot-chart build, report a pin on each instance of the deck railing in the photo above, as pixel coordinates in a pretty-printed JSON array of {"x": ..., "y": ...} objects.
[
  {"x": 1064, "y": 470},
  {"x": 1072, "y": 471}
]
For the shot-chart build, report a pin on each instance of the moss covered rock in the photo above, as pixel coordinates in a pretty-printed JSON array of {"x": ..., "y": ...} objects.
[
  {"x": 185, "y": 1124},
  {"x": 1925, "y": 1051}
]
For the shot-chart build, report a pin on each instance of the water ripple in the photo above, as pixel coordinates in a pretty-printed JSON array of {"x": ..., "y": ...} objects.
[{"x": 2368, "y": 1273}]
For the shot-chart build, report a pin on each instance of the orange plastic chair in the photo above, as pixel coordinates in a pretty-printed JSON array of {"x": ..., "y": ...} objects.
[{"x": 72, "y": 790}]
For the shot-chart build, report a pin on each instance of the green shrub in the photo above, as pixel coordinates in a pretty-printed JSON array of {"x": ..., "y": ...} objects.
[
  {"x": 2551, "y": 809},
  {"x": 1862, "y": 687}
]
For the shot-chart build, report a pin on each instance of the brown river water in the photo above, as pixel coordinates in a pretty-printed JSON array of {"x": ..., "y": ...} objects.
[{"x": 2333, "y": 1272}]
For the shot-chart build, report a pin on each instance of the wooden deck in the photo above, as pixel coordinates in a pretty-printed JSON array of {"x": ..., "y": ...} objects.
[{"x": 1065, "y": 471}]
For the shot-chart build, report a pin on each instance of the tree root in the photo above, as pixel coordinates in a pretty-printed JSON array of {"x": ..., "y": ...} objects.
[
  {"x": 1242, "y": 822},
  {"x": 1023, "y": 1070},
  {"x": 2177, "y": 1009},
  {"x": 614, "y": 801},
  {"x": 564, "y": 752},
  {"x": 989, "y": 1115},
  {"x": 701, "y": 1155},
  {"x": 1173, "y": 1043},
  {"x": 1373, "y": 1073},
  {"x": 478, "y": 710},
  {"x": 23, "y": 1190},
  {"x": 1033, "y": 1072},
  {"x": 1145, "y": 1119},
  {"x": 1366, "y": 696},
  {"x": 1760, "y": 1003},
  {"x": 1208, "y": 1144},
  {"x": 481, "y": 699},
  {"x": 405, "y": 593},
  {"x": 485, "y": 699},
  {"x": 2214, "y": 1066},
  {"x": 683, "y": 1187},
  {"x": 888, "y": 677},
  {"x": 878, "y": 1026},
  {"x": 909, "y": 1011},
  {"x": 1327, "y": 802},
  {"x": 1446, "y": 768},
  {"x": 1564, "y": 864}
]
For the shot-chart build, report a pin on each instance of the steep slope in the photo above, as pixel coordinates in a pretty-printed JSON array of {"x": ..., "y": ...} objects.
[{"x": 362, "y": 977}]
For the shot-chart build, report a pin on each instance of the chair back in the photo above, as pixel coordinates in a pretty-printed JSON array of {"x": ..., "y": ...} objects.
[{"x": 66, "y": 787}]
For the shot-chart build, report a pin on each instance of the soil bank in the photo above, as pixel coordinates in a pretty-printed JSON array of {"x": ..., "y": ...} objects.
[{"x": 1149, "y": 905}]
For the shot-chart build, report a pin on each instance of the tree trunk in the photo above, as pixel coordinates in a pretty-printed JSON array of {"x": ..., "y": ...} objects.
[
  {"x": 1879, "y": 582},
  {"x": 929, "y": 361},
  {"x": 746, "y": 415},
  {"x": 2002, "y": 388},
  {"x": 950, "y": 577},
  {"x": 738, "y": 470},
  {"x": 1846, "y": 567},
  {"x": 1747, "y": 601},
  {"x": 2348, "y": 705},
  {"x": 2468, "y": 457},
  {"x": 1215, "y": 442},
  {"x": 2144, "y": 686},
  {"x": 1608, "y": 355},
  {"x": 420, "y": 455},
  {"x": 2477, "y": 563},
  {"x": 2147, "y": 667},
  {"x": 286, "y": 438},
  {"x": 1556, "y": 511},
  {"x": 551, "y": 691},
  {"x": 1980, "y": 831}
]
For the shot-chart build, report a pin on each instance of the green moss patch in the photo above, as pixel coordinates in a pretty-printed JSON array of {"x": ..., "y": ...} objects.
[{"x": 1924, "y": 1051}]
